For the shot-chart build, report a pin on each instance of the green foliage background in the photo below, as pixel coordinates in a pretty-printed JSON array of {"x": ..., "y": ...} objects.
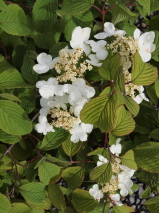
[{"x": 32, "y": 165}]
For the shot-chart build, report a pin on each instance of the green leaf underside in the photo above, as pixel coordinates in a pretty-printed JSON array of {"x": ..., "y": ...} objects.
[
  {"x": 131, "y": 105},
  {"x": 124, "y": 123},
  {"x": 143, "y": 73},
  {"x": 71, "y": 148},
  {"x": 101, "y": 174},
  {"x": 9, "y": 97},
  {"x": 56, "y": 197},
  {"x": 122, "y": 209},
  {"x": 20, "y": 207},
  {"x": 5, "y": 205},
  {"x": 100, "y": 111},
  {"x": 13, "y": 119},
  {"x": 10, "y": 139},
  {"x": 153, "y": 204},
  {"x": 128, "y": 160},
  {"x": 83, "y": 201},
  {"x": 73, "y": 176}
]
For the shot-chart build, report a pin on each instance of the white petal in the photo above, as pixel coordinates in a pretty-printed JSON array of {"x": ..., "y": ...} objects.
[
  {"x": 138, "y": 99},
  {"x": 115, "y": 197},
  {"x": 94, "y": 45},
  {"x": 120, "y": 32},
  {"x": 102, "y": 54},
  {"x": 94, "y": 60},
  {"x": 113, "y": 149},
  {"x": 146, "y": 56},
  {"x": 87, "y": 127},
  {"x": 137, "y": 34},
  {"x": 86, "y": 48},
  {"x": 124, "y": 192},
  {"x": 46, "y": 91},
  {"x": 102, "y": 35},
  {"x": 40, "y": 83},
  {"x": 39, "y": 68},
  {"x": 44, "y": 59},
  {"x": 109, "y": 28}
]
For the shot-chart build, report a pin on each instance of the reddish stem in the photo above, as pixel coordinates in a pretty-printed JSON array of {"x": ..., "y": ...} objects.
[{"x": 33, "y": 136}]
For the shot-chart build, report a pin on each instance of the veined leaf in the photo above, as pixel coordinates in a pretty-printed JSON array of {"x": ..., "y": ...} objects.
[
  {"x": 71, "y": 148},
  {"x": 11, "y": 78},
  {"x": 101, "y": 174},
  {"x": 131, "y": 105},
  {"x": 157, "y": 87},
  {"x": 73, "y": 176},
  {"x": 5, "y": 205},
  {"x": 48, "y": 170},
  {"x": 128, "y": 160},
  {"x": 124, "y": 123},
  {"x": 145, "y": 4},
  {"x": 9, "y": 97},
  {"x": 20, "y": 207},
  {"x": 122, "y": 209},
  {"x": 153, "y": 204},
  {"x": 147, "y": 157},
  {"x": 74, "y": 7},
  {"x": 143, "y": 73},
  {"x": 10, "y": 139},
  {"x": 33, "y": 192},
  {"x": 146, "y": 193},
  {"x": 56, "y": 197},
  {"x": 14, "y": 21},
  {"x": 13, "y": 119},
  {"x": 53, "y": 139},
  {"x": 83, "y": 201},
  {"x": 100, "y": 111}
]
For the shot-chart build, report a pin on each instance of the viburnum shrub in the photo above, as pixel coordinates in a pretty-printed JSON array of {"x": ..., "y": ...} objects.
[{"x": 79, "y": 111}]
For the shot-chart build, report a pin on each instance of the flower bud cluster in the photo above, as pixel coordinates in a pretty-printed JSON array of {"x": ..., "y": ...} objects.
[{"x": 120, "y": 183}]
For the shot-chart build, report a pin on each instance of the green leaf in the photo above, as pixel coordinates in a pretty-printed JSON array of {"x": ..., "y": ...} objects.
[
  {"x": 53, "y": 139},
  {"x": 109, "y": 67},
  {"x": 27, "y": 69},
  {"x": 157, "y": 87},
  {"x": 10, "y": 139},
  {"x": 74, "y": 7},
  {"x": 124, "y": 123},
  {"x": 153, "y": 24},
  {"x": 83, "y": 201},
  {"x": 122, "y": 209},
  {"x": 33, "y": 192},
  {"x": 3, "y": 6},
  {"x": 128, "y": 160},
  {"x": 11, "y": 78},
  {"x": 54, "y": 50},
  {"x": 100, "y": 112},
  {"x": 5, "y": 205},
  {"x": 146, "y": 193},
  {"x": 56, "y": 197},
  {"x": 4, "y": 65},
  {"x": 143, "y": 73},
  {"x": 13, "y": 119},
  {"x": 73, "y": 176},
  {"x": 153, "y": 204},
  {"x": 14, "y": 21},
  {"x": 100, "y": 208},
  {"x": 155, "y": 53},
  {"x": 154, "y": 5},
  {"x": 20, "y": 208},
  {"x": 70, "y": 22},
  {"x": 44, "y": 14},
  {"x": 9, "y": 97},
  {"x": 145, "y": 4},
  {"x": 101, "y": 174},
  {"x": 155, "y": 134},
  {"x": 127, "y": 27},
  {"x": 131, "y": 105},
  {"x": 146, "y": 156},
  {"x": 71, "y": 148},
  {"x": 48, "y": 170},
  {"x": 119, "y": 82}
]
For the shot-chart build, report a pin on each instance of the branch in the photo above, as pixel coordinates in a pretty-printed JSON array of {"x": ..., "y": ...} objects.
[{"x": 7, "y": 151}]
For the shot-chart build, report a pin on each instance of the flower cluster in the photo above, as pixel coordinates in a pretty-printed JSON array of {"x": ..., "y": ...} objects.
[{"x": 120, "y": 183}]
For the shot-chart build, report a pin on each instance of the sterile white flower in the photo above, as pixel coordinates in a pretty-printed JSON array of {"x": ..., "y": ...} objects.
[
  {"x": 79, "y": 132},
  {"x": 141, "y": 96},
  {"x": 79, "y": 37},
  {"x": 102, "y": 160},
  {"x": 59, "y": 101},
  {"x": 98, "y": 48},
  {"x": 45, "y": 63},
  {"x": 116, "y": 149},
  {"x": 78, "y": 90},
  {"x": 109, "y": 30},
  {"x": 93, "y": 60},
  {"x": 96, "y": 193},
  {"x": 43, "y": 126},
  {"x": 49, "y": 88},
  {"x": 145, "y": 44},
  {"x": 116, "y": 199},
  {"x": 44, "y": 105},
  {"x": 79, "y": 106}
]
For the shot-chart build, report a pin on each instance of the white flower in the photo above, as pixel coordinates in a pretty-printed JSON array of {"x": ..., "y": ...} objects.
[
  {"x": 102, "y": 160},
  {"x": 79, "y": 106},
  {"x": 49, "y": 88},
  {"x": 79, "y": 37},
  {"x": 145, "y": 44},
  {"x": 141, "y": 96},
  {"x": 98, "y": 48},
  {"x": 116, "y": 199},
  {"x": 44, "y": 105},
  {"x": 127, "y": 171},
  {"x": 45, "y": 63},
  {"x": 94, "y": 60},
  {"x": 109, "y": 30},
  {"x": 96, "y": 193},
  {"x": 116, "y": 149},
  {"x": 43, "y": 126},
  {"x": 59, "y": 101},
  {"x": 79, "y": 132},
  {"x": 78, "y": 90}
]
